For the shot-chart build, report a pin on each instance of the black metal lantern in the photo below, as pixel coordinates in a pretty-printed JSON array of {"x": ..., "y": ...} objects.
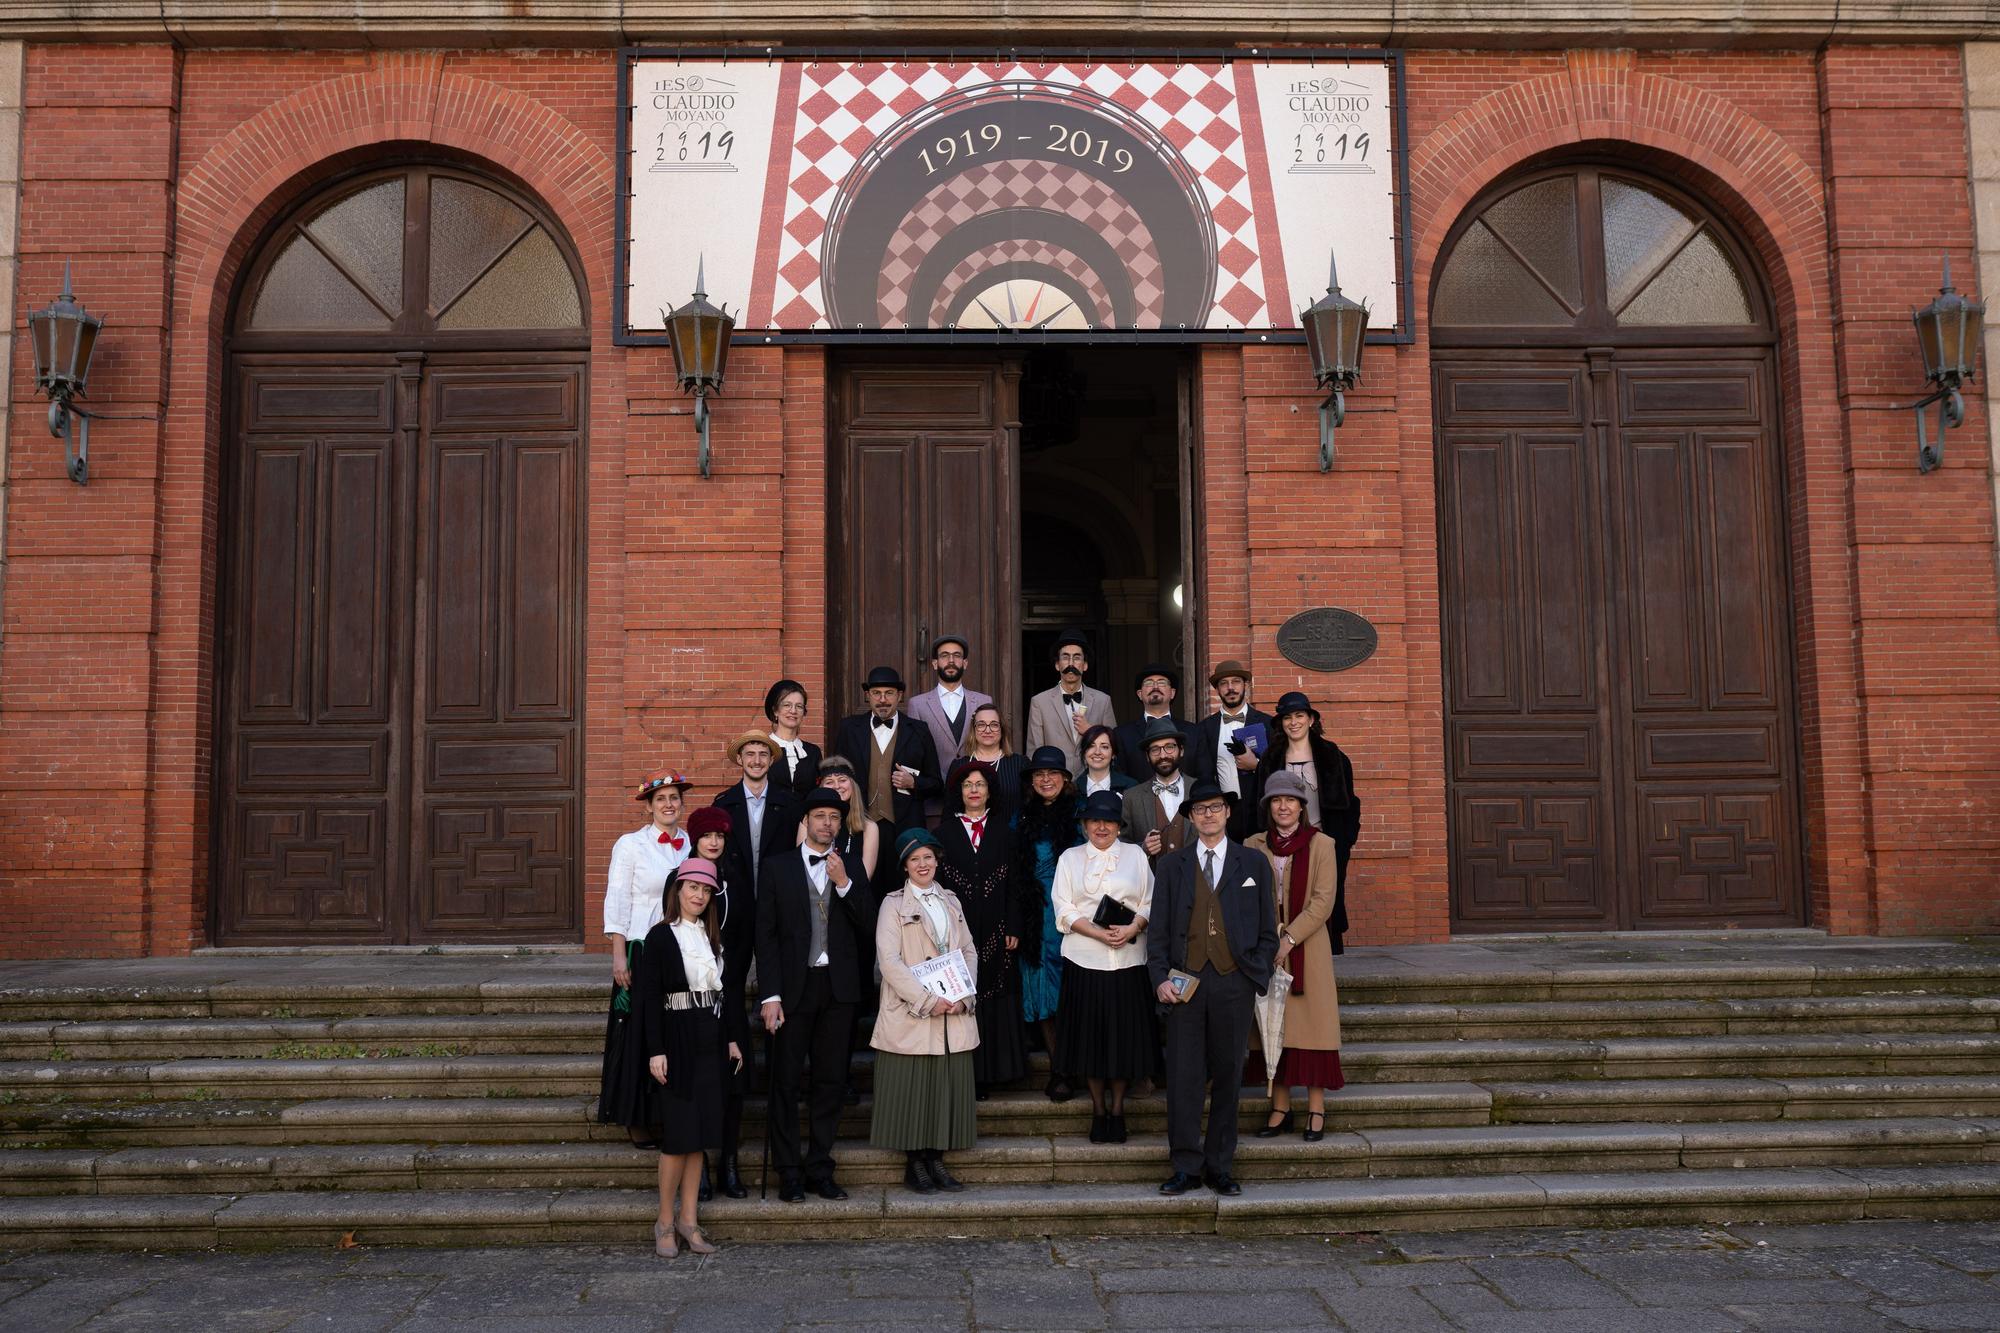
[
  {"x": 64, "y": 336},
  {"x": 699, "y": 334},
  {"x": 1335, "y": 327},
  {"x": 1948, "y": 333}
]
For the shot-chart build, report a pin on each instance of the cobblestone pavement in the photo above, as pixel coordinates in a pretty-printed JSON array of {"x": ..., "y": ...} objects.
[{"x": 1826, "y": 1278}]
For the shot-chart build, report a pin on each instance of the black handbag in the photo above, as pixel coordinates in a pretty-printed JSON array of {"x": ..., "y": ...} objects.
[{"x": 1110, "y": 912}]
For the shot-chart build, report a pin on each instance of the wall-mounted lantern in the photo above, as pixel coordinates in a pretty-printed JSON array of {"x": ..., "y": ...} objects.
[
  {"x": 1948, "y": 334},
  {"x": 64, "y": 335},
  {"x": 699, "y": 334},
  {"x": 1335, "y": 327}
]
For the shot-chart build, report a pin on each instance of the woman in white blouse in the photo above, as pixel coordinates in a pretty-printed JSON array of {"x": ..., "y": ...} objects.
[
  {"x": 1104, "y": 1025},
  {"x": 640, "y": 864},
  {"x": 690, "y": 1039}
]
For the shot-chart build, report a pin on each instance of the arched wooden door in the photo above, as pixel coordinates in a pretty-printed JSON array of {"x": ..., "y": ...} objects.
[
  {"x": 1618, "y": 670},
  {"x": 399, "y": 697}
]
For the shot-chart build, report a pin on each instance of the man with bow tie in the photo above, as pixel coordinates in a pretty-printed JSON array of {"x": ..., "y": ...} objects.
[
  {"x": 893, "y": 754},
  {"x": 1155, "y": 814},
  {"x": 1210, "y": 755},
  {"x": 812, "y": 909},
  {"x": 1059, "y": 715},
  {"x": 1214, "y": 919}
]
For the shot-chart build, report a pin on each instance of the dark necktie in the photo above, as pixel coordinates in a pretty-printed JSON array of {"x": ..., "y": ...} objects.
[{"x": 1208, "y": 857}]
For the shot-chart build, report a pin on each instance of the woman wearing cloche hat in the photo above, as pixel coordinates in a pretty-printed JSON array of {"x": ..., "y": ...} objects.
[{"x": 641, "y": 861}]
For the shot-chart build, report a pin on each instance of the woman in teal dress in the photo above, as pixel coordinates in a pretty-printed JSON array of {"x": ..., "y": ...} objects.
[{"x": 1044, "y": 828}]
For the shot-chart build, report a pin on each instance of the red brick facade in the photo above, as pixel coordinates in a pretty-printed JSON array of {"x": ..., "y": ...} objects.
[{"x": 155, "y": 172}]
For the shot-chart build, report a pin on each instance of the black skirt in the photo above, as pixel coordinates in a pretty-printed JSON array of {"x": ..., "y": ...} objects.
[
  {"x": 689, "y": 1118},
  {"x": 623, "y": 1097},
  {"x": 1105, "y": 1026}
]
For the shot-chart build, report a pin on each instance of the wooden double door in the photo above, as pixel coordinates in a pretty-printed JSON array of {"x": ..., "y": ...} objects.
[
  {"x": 1620, "y": 727},
  {"x": 923, "y": 532},
  {"x": 399, "y": 694}
]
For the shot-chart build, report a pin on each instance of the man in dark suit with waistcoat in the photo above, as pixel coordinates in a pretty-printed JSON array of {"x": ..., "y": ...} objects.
[
  {"x": 1215, "y": 919},
  {"x": 811, "y": 909},
  {"x": 894, "y": 759}
]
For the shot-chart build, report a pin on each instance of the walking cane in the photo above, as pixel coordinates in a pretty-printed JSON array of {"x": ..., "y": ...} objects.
[{"x": 770, "y": 1086}]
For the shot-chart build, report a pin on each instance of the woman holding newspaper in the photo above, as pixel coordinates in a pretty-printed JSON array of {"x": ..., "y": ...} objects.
[{"x": 925, "y": 1032}]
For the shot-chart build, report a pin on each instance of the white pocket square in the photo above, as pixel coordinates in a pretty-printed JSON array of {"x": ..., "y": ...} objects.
[{"x": 1249, "y": 881}]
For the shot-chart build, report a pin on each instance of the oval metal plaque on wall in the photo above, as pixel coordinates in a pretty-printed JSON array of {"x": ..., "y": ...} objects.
[{"x": 1327, "y": 638}]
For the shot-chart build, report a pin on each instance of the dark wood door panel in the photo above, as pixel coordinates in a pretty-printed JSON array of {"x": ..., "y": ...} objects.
[
  {"x": 402, "y": 638},
  {"x": 1530, "y": 854},
  {"x": 922, "y": 507},
  {"x": 1620, "y": 733}
]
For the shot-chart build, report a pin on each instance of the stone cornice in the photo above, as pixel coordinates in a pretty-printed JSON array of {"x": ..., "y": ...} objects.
[{"x": 1415, "y": 23}]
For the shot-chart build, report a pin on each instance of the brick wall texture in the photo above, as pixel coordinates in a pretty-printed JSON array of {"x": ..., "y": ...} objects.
[{"x": 154, "y": 170}]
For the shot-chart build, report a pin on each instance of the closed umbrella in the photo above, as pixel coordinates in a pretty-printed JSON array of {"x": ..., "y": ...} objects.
[{"x": 1271, "y": 1022}]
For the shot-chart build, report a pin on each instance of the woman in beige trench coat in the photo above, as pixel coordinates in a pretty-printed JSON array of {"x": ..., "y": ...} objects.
[
  {"x": 1311, "y": 1058},
  {"x": 923, "y": 1043}
]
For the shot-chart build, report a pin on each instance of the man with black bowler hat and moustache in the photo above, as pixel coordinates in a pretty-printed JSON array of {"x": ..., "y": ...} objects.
[
  {"x": 1234, "y": 770},
  {"x": 1156, "y": 685},
  {"x": 892, "y": 754},
  {"x": 1214, "y": 920},
  {"x": 810, "y": 909},
  {"x": 1059, "y": 715}
]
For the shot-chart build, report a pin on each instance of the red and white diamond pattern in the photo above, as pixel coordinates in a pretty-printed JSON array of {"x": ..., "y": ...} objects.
[
  {"x": 848, "y": 105},
  {"x": 1057, "y": 257}
]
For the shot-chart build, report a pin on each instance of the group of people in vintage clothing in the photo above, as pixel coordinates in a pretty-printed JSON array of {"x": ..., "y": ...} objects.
[{"x": 1120, "y": 894}]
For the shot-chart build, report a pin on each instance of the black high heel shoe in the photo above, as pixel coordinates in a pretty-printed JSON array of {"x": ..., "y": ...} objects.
[
  {"x": 1283, "y": 1126},
  {"x": 1314, "y": 1133}
]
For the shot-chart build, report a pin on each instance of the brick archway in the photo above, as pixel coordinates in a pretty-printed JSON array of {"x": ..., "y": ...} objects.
[
  {"x": 224, "y": 203},
  {"x": 1775, "y": 199}
]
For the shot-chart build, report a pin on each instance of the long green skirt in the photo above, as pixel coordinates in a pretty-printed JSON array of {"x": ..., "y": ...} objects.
[{"x": 924, "y": 1103}]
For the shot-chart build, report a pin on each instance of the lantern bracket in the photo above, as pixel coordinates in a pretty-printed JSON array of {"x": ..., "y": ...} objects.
[
  {"x": 1332, "y": 413},
  {"x": 1950, "y": 412},
  {"x": 701, "y": 429},
  {"x": 75, "y": 438}
]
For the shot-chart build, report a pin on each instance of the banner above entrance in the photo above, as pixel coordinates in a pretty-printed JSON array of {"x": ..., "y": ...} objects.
[{"x": 1044, "y": 195}]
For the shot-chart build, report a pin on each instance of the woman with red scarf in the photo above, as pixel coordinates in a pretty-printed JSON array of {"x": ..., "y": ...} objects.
[{"x": 1305, "y": 873}]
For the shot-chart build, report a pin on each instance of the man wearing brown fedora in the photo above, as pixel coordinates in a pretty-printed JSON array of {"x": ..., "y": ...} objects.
[
  {"x": 1219, "y": 752},
  {"x": 763, "y": 815}
]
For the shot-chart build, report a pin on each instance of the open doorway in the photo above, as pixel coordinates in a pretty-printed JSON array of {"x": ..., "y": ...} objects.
[{"x": 1105, "y": 526}]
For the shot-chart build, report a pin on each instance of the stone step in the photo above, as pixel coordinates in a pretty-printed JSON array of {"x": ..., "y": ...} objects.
[
  {"x": 1591, "y": 972},
  {"x": 624, "y": 1216},
  {"x": 1024, "y": 1159},
  {"x": 544, "y": 1119},
  {"x": 343, "y": 1071},
  {"x": 582, "y": 1032}
]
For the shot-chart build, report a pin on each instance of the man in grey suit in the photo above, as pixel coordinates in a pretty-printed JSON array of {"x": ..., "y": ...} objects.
[
  {"x": 1059, "y": 715},
  {"x": 1156, "y": 815},
  {"x": 947, "y": 707},
  {"x": 1214, "y": 919}
]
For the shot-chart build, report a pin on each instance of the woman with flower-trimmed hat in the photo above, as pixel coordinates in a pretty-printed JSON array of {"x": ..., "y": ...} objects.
[{"x": 641, "y": 861}]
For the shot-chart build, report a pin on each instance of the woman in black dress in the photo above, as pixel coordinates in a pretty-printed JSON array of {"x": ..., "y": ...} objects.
[
  {"x": 978, "y": 866},
  {"x": 691, "y": 1040},
  {"x": 795, "y": 760},
  {"x": 709, "y": 827}
]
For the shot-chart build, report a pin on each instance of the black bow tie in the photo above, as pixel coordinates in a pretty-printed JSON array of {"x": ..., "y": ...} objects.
[
  {"x": 884, "y": 721},
  {"x": 1074, "y": 700},
  {"x": 813, "y": 859}
]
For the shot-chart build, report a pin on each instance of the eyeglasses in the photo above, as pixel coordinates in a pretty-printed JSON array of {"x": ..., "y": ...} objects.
[
  {"x": 951, "y": 657},
  {"x": 988, "y": 725}
]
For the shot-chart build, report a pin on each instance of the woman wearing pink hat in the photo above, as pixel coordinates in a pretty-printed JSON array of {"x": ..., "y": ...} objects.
[
  {"x": 641, "y": 861},
  {"x": 693, "y": 1042}
]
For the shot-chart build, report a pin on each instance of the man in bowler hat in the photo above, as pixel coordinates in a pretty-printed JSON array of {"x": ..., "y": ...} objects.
[
  {"x": 1214, "y": 919},
  {"x": 811, "y": 910},
  {"x": 1156, "y": 815},
  {"x": 1156, "y": 685},
  {"x": 1219, "y": 753},
  {"x": 892, "y": 754}
]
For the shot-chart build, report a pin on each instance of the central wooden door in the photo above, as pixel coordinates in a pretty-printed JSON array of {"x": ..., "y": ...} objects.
[
  {"x": 399, "y": 700},
  {"x": 1620, "y": 726},
  {"x": 923, "y": 538}
]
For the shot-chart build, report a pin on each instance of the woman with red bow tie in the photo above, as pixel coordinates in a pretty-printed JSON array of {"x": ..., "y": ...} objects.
[
  {"x": 976, "y": 862},
  {"x": 640, "y": 864}
]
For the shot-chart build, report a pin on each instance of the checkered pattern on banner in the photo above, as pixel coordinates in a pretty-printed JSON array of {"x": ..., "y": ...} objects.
[
  {"x": 1057, "y": 257},
  {"x": 1017, "y": 184},
  {"x": 844, "y": 107}
]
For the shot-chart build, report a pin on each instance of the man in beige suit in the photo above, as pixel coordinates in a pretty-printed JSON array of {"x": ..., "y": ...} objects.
[{"x": 1059, "y": 715}]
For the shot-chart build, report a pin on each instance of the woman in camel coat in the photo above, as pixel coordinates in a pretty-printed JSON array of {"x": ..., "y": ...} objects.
[{"x": 1311, "y": 1057}]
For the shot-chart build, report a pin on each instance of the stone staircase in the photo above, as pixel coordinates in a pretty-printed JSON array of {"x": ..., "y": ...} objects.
[{"x": 252, "y": 1102}]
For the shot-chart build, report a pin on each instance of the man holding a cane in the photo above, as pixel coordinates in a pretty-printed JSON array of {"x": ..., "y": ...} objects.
[{"x": 811, "y": 912}]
